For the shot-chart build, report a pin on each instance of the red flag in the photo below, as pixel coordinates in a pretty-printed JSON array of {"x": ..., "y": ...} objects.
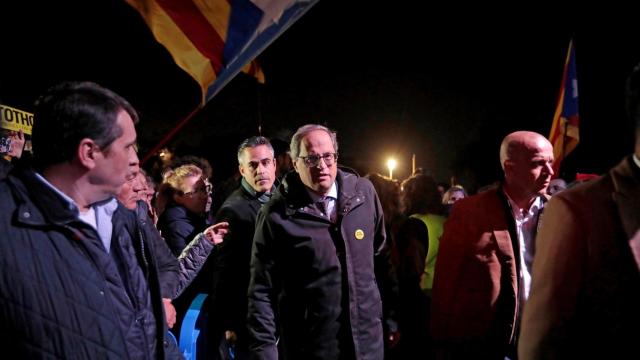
[{"x": 565, "y": 127}]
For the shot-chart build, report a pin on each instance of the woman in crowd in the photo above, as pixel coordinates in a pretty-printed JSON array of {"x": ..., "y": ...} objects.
[{"x": 183, "y": 201}]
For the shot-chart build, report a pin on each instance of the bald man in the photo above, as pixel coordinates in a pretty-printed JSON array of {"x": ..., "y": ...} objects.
[{"x": 483, "y": 269}]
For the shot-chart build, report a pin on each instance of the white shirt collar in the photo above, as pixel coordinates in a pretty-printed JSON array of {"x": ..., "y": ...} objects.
[
  {"x": 109, "y": 205},
  {"x": 636, "y": 160},
  {"x": 99, "y": 215},
  {"x": 333, "y": 193}
]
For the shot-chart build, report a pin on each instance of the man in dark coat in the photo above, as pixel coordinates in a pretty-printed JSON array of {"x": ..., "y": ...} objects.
[
  {"x": 312, "y": 266},
  {"x": 256, "y": 163},
  {"x": 586, "y": 275},
  {"x": 76, "y": 278},
  {"x": 172, "y": 282}
]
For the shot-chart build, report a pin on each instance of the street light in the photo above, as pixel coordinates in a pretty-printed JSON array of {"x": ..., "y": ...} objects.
[{"x": 391, "y": 164}]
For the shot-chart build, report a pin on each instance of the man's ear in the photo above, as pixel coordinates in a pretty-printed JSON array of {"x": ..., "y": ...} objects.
[
  {"x": 508, "y": 165},
  {"x": 241, "y": 170},
  {"x": 87, "y": 153}
]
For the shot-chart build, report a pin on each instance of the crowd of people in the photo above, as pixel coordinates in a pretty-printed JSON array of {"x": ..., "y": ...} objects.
[{"x": 305, "y": 258}]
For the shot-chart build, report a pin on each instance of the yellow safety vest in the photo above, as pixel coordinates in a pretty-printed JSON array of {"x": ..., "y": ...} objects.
[{"x": 435, "y": 226}]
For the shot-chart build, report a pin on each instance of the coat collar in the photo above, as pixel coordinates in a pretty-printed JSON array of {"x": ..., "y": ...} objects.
[
  {"x": 50, "y": 207},
  {"x": 298, "y": 199}
]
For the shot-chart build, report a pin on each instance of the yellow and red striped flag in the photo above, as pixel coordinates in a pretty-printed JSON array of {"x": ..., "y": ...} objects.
[
  {"x": 565, "y": 127},
  {"x": 213, "y": 40}
]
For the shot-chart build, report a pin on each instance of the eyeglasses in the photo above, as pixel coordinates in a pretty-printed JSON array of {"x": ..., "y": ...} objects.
[
  {"x": 314, "y": 160},
  {"x": 266, "y": 162},
  {"x": 203, "y": 190}
]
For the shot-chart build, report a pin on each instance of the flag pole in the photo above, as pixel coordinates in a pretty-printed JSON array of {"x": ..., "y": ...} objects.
[
  {"x": 564, "y": 143},
  {"x": 413, "y": 164},
  {"x": 170, "y": 135}
]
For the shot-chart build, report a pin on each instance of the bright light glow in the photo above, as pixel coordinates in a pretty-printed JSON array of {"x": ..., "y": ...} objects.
[{"x": 391, "y": 164}]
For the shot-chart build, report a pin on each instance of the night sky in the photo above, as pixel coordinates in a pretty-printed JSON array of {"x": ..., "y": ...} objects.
[{"x": 393, "y": 78}]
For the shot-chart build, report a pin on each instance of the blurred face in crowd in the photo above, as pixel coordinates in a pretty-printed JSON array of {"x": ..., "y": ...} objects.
[
  {"x": 118, "y": 163},
  {"x": 149, "y": 191},
  {"x": 452, "y": 196},
  {"x": 317, "y": 162},
  {"x": 258, "y": 168},
  {"x": 528, "y": 169},
  {"x": 556, "y": 186},
  {"x": 194, "y": 194},
  {"x": 132, "y": 191}
]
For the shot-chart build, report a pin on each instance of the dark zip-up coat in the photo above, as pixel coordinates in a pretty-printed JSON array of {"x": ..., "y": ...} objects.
[
  {"x": 61, "y": 294},
  {"x": 231, "y": 271},
  {"x": 314, "y": 278},
  {"x": 175, "y": 274}
]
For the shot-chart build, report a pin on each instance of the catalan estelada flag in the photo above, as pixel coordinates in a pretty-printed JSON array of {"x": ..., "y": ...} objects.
[
  {"x": 213, "y": 40},
  {"x": 565, "y": 128}
]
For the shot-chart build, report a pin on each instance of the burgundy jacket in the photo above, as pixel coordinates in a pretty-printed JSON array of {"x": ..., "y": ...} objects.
[{"x": 475, "y": 291}]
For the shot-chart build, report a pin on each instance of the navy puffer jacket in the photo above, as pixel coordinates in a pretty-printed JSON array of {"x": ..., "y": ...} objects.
[{"x": 57, "y": 299}]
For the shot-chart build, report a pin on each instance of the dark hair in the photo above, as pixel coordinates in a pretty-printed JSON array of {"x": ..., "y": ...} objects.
[
  {"x": 420, "y": 195},
  {"x": 389, "y": 194},
  {"x": 253, "y": 142},
  {"x": 70, "y": 112},
  {"x": 279, "y": 146},
  {"x": 633, "y": 98}
]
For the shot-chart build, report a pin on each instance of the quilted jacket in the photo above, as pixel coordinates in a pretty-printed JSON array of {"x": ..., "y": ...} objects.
[{"x": 58, "y": 297}]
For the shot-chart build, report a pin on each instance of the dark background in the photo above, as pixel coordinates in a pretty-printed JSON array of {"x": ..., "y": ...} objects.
[{"x": 394, "y": 78}]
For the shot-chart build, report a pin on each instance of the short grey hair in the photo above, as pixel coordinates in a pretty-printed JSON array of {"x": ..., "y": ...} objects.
[
  {"x": 296, "y": 139},
  {"x": 253, "y": 142}
]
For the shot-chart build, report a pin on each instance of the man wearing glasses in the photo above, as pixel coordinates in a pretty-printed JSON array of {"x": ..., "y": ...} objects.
[
  {"x": 227, "y": 322},
  {"x": 312, "y": 260}
]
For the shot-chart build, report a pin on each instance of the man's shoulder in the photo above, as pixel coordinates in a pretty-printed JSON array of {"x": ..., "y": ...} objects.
[
  {"x": 12, "y": 188},
  {"x": 7, "y": 205},
  {"x": 487, "y": 200},
  {"x": 592, "y": 191},
  {"x": 122, "y": 212},
  {"x": 173, "y": 213},
  {"x": 125, "y": 219},
  {"x": 238, "y": 202},
  {"x": 238, "y": 197},
  {"x": 351, "y": 181}
]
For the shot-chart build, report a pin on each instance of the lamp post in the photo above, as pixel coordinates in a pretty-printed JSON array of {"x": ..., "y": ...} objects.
[{"x": 391, "y": 164}]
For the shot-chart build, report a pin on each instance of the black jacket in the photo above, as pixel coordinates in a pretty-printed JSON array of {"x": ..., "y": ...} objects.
[
  {"x": 175, "y": 274},
  {"x": 62, "y": 295},
  {"x": 5, "y": 167},
  {"x": 179, "y": 226},
  {"x": 231, "y": 271},
  {"x": 317, "y": 276}
]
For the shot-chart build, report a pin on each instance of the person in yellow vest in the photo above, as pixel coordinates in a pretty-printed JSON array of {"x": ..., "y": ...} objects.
[{"x": 418, "y": 242}]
